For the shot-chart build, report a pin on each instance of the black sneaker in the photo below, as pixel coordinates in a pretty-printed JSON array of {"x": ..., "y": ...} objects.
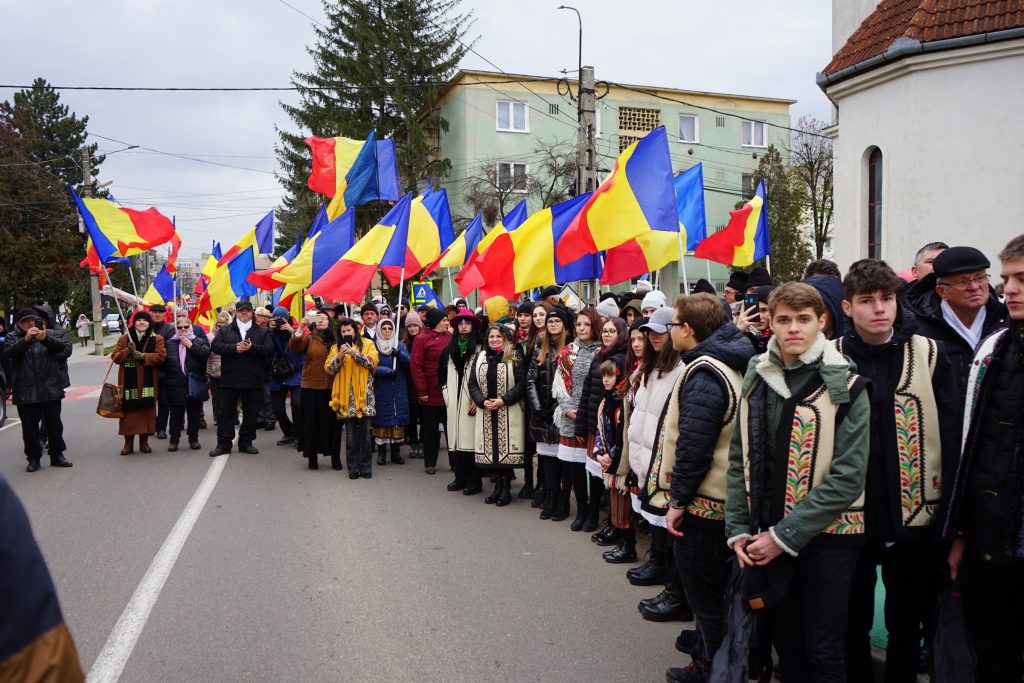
[
  {"x": 33, "y": 465},
  {"x": 688, "y": 674},
  {"x": 161, "y": 434},
  {"x": 249, "y": 448},
  {"x": 219, "y": 451},
  {"x": 286, "y": 441}
]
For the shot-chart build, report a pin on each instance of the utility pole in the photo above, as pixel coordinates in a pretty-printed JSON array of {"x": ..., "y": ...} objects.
[
  {"x": 94, "y": 281},
  {"x": 586, "y": 153}
]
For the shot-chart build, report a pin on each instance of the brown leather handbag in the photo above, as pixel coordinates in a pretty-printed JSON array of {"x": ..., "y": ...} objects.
[{"x": 110, "y": 403}]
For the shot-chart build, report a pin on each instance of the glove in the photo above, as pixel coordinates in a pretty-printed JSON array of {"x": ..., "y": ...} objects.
[
  {"x": 131, "y": 347},
  {"x": 138, "y": 355}
]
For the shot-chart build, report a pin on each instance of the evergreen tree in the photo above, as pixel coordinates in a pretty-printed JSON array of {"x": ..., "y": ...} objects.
[
  {"x": 790, "y": 249},
  {"x": 379, "y": 65},
  {"x": 41, "y": 244},
  {"x": 60, "y": 134}
]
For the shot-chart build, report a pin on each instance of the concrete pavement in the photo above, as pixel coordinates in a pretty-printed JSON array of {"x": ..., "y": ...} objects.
[{"x": 290, "y": 574}]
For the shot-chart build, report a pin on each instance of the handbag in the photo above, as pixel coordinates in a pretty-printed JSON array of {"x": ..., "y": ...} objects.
[
  {"x": 198, "y": 388},
  {"x": 110, "y": 402},
  {"x": 281, "y": 369}
]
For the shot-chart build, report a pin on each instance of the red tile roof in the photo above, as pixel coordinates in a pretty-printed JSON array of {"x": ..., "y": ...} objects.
[{"x": 924, "y": 21}]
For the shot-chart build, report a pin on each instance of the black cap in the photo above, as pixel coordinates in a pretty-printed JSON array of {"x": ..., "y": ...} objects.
[
  {"x": 758, "y": 277},
  {"x": 25, "y": 313},
  {"x": 560, "y": 313},
  {"x": 526, "y": 307},
  {"x": 705, "y": 287},
  {"x": 433, "y": 317},
  {"x": 158, "y": 308},
  {"x": 738, "y": 280},
  {"x": 550, "y": 290},
  {"x": 957, "y": 260},
  {"x": 243, "y": 306}
]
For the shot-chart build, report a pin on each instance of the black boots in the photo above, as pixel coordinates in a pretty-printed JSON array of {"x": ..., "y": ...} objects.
[
  {"x": 313, "y": 463},
  {"x": 593, "y": 514},
  {"x": 396, "y": 455},
  {"x": 336, "y": 462},
  {"x": 625, "y": 551},
  {"x": 581, "y": 518},
  {"x": 670, "y": 604},
  {"x": 652, "y": 572},
  {"x": 561, "y": 510},
  {"x": 609, "y": 535},
  {"x": 496, "y": 493},
  {"x": 382, "y": 455},
  {"x": 505, "y": 497},
  {"x": 526, "y": 492},
  {"x": 539, "y": 496},
  {"x": 549, "y": 504}
]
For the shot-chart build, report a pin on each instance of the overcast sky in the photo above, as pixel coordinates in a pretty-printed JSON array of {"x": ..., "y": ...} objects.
[{"x": 734, "y": 46}]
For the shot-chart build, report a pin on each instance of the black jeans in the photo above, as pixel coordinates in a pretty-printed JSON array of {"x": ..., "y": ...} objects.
[
  {"x": 192, "y": 410},
  {"x": 909, "y": 574},
  {"x": 552, "y": 468},
  {"x": 430, "y": 418},
  {"x": 808, "y": 627},
  {"x": 595, "y": 493},
  {"x": 49, "y": 413},
  {"x": 163, "y": 411},
  {"x": 702, "y": 561},
  {"x": 531, "y": 453},
  {"x": 993, "y": 599},
  {"x": 277, "y": 400},
  {"x": 574, "y": 474},
  {"x": 266, "y": 414},
  {"x": 359, "y": 444},
  {"x": 466, "y": 470},
  {"x": 226, "y": 410}
]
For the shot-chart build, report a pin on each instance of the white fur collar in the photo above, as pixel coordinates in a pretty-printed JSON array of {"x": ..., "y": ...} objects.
[{"x": 769, "y": 364}]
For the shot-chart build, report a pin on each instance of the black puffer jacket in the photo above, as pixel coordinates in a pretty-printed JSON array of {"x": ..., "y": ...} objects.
[
  {"x": 542, "y": 404},
  {"x": 922, "y": 300},
  {"x": 174, "y": 385},
  {"x": 243, "y": 370},
  {"x": 594, "y": 391},
  {"x": 703, "y": 401},
  {"x": 39, "y": 367}
]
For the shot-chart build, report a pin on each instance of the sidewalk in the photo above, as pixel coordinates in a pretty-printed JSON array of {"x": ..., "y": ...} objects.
[{"x": 81, "y": 355}]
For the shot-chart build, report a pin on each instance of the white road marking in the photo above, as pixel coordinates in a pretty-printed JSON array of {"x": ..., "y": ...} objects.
[
  {"x": 11, "y": 421},
  {"x": 92, "y": 394},
  {"x": 112, "y": 659}
]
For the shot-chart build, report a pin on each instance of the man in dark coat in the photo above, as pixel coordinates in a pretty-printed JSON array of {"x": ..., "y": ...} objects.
[
  {"x": 955, "y": 305},
  {"x": 166, "y": 330},
  {"x": 35, "y": 357},
  {"x": 245, "y": 349},
  {"x": 986, "y": 516}
]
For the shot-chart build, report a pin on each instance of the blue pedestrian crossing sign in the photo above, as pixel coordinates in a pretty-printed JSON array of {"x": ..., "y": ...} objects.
[{"x": 422, "y": 294}]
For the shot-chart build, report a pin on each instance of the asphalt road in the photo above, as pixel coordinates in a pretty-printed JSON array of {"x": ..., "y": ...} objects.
[{"x": 291, "y": 574}]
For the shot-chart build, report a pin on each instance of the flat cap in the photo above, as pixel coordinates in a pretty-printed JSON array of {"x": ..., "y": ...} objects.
[{"x": 957, "y": 260}]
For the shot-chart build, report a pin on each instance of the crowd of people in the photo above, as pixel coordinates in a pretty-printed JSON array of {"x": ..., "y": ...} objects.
[{"x": 778, "y": 445}]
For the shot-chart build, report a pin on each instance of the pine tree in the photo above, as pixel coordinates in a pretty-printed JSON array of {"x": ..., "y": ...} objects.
[
  {"x": 379, "y": 65},
  {"x": 38, "y": 231},
  {"x": 790, "y": 250},
  {"x": 60, "y": 134}
]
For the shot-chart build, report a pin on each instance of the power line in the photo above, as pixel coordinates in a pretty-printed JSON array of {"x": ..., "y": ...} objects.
[{"x": 183, "y": 156}]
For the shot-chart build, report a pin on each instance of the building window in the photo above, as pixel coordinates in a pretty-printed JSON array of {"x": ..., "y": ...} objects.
[
  {"x": 875, "y": 204},
  {"x": 720, "y": 121},
  {"x": 753, "y": 134},
  {"x": 553, "y": 109},
  {"x": 511, "y": 176},
  {"x": 720, "y": 176},
  {"x": 512, "y": 116},
  {"x": 689, "y": 128},
  {"x": 748, "y": 184}
]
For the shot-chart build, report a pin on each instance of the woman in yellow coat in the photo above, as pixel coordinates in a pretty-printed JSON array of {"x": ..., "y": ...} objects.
[{"x": 351, "y": 362}]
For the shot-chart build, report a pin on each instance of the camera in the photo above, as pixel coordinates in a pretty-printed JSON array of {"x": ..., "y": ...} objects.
[
  {"x": 278, "y": 323},
  {"x": 751, "y": 300}
]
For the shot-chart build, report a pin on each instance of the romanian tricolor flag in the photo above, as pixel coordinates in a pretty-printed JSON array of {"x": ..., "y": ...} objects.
[
  {"x": 117, "y": 231},
  {"x": 319, "y": 253},
  {"x": 745, "y": 239},
  {"x": 263, "y": 279},
  {"x": 655, "y": 249},
  {"x": 638, "y": 196},
  {"x": 384, "y": 247},
  {"x": 162, "y": 289},
  {"x": 353, "y": 172},
  {"x": 259, "y": 239},
  {"x": 172, "y": 259},
  {"x": 460, "y": 250},
  {"x": 520, "y": 260},
  {"x": 468, "y": 278},
  {"x": 35, "y": 644},
  {"x": 208, "y": 269},
  {"x": 430, "y": 230}
]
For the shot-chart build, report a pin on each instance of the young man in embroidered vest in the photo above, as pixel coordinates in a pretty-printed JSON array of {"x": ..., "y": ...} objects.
[
  {"x": 912, "y": 440},
  {"x": 986, "y": 515},
  {"x": 715, "y": 354},
  {"x": 794, "y": 512}
]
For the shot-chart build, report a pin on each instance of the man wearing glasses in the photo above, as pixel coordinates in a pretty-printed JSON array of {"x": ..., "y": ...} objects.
[{"x": 956, "y": 305}]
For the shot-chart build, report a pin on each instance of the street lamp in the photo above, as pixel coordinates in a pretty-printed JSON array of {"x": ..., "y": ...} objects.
[{"x": 579, "y": 96}]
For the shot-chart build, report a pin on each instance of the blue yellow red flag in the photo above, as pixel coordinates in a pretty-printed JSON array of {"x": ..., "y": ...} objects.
[{"x": 745, "y": 239}]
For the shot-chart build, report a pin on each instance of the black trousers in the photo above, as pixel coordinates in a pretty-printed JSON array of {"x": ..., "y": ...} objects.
[
  {"x": 808, "y": 628},
  {"x": 531, "y": 453},
  {"x": 596, "y": 493},
  {"x": 226, "y": 409},
  {"x": 266, "y": 414},
  {"x": 359, "y": 444},
  {"x": 412, "y": 430},
  {"x": 574, "y": 474},
  {"x": 193, "y": 410},
  {"x": 48, "y": 412},
  {"x": 430, "y": 418},
  {"x": 278, "y": 397},
  {"x": 215, "y": 396},
  {"x": 909, "y": 575},
  {"x": 465, "y": 468},
  {"x": 552, "y": 468},
  {"x": 993, "y": 599},
  {"x": 702, "y": 561},
  {"x": 163, "y": 411}
]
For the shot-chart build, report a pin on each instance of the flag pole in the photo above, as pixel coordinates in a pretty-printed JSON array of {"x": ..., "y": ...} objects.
[
  {"x": 451, "y": 287},
  {"x": 401, "y": 283},
  {"x": 708, "y": 264},
  {"x": 682, "y": 263}
]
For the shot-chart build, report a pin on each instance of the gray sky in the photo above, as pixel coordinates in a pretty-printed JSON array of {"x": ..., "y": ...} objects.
[{"x": 767, "y": 48}]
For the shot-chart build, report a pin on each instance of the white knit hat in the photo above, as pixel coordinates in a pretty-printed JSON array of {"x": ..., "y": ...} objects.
[
  {"x": 608, "y": 308},
  {"x": 653, "y": 299}
]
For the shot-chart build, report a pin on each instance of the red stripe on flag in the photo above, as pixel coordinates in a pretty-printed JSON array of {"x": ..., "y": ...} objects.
[
  {"x": 721, "y": 247},
  {"x": 323, "y": 176}
]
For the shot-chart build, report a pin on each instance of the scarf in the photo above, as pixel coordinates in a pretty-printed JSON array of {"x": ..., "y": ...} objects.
[
  {"x": 972, "y": 335},
  {"x": 522, "y": 335},
  {"x": 462, "y": 345},
  {"x": 352, "y": 379},
  {"x": 243, "y": 328},
  {"x": 182, "y": 351},
  {"x": 387, "y": 346},
  {"x": 138, "y": 397}
]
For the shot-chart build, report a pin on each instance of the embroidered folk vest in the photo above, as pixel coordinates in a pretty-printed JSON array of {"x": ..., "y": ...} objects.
[
  {"x": 918, "y": 446},
  {"x": 804, "y": 451},
  {"x": 709, "y": 502}
]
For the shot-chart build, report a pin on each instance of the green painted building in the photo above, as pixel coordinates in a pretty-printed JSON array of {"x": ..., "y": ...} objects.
[{"x": 504, "y": 130}]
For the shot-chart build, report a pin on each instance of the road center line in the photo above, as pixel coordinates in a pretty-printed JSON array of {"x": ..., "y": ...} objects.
[
  {"x": 115, "y": 653},
  {"x": 11, "y": 421}
]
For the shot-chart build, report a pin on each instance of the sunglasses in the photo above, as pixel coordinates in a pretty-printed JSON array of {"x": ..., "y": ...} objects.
[{"x": 184, "y": 327}]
